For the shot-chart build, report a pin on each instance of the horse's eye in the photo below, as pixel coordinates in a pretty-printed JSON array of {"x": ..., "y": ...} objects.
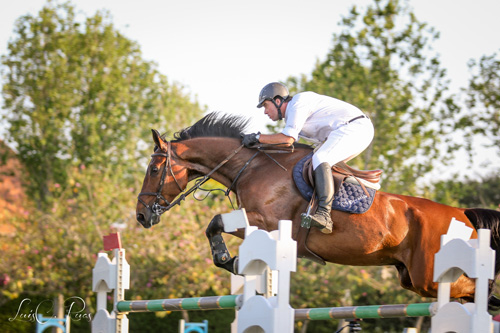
[{"x": 154, "y": 169}]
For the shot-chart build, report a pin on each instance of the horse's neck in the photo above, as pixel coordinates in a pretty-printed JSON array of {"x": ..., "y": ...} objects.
[{"x": 206, "y": 154}]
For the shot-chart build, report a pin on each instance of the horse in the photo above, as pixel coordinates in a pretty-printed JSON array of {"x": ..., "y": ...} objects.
[{"x": 398, "y": 230}]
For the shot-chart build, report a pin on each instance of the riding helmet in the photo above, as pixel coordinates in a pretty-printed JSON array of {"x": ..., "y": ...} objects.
[{"x": 271, "y": 91}]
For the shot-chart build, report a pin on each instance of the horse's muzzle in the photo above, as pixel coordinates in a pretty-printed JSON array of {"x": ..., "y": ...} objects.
[{"x": 147, "y": 219}]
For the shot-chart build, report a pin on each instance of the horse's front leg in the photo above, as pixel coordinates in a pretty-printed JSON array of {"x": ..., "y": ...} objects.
[{"x": 220, "y": 253}]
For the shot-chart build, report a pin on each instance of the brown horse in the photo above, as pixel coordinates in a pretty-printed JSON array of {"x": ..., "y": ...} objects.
[{"x": 397, "y": 230}]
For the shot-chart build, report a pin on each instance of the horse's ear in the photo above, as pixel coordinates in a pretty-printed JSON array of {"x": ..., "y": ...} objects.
[{"x": 158, "y": 140}]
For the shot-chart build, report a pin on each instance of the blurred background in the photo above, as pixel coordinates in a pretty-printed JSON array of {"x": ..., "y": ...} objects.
[{"x": 83, "y": 82}]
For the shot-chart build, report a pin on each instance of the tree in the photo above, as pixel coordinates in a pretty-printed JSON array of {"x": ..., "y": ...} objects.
[
  {"x": 381, "y": 62},
  {"x": 80, "y": 102},
  {"x": 472, "y": 192},
  {"x": 81, "y": 94},
  {"x": 483, "y": 102}
]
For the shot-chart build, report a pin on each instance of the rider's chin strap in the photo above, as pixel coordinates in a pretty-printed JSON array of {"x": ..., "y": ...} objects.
[{"x": 280, "y": 115}]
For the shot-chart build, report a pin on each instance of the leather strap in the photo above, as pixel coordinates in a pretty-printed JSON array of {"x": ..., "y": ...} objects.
[{"x": 303, "y": 250}]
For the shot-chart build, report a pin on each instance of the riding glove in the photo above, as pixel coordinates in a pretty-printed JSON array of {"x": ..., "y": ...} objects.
[{"x": 249, "y": 140}]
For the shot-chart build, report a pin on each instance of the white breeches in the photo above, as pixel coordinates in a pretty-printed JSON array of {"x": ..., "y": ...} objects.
[{"x": 345, "y": 143}]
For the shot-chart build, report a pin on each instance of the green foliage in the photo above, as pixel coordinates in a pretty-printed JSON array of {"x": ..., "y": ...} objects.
[
  {"x": 52, "y": 252},
  {"x": 382, "y": 62},
  {"x": 483, "y": 102},
  {"x": 81, "y": 94},
  {"x": 219, "y": 321},
  {"x": 482, "y": 193}
]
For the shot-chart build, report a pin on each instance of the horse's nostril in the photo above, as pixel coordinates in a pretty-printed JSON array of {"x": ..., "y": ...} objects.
[{"x": 140, "y": 218}]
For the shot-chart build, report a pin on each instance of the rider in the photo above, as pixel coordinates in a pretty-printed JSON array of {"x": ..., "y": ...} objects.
[{"x": 342, "y": 128}]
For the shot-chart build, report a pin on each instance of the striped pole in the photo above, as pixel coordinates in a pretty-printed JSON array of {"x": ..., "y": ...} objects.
[
  {"x": 232, "y": 301},
  {"x": 370, "y": 311},
  {"x": 178, "y": 304}
]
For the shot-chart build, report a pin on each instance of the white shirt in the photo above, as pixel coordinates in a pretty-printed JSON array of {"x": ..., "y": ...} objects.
[{"x": 314, "y": 117}]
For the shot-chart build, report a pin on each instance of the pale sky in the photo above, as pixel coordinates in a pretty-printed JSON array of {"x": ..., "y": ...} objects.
[{"x": 225, "y": 51}]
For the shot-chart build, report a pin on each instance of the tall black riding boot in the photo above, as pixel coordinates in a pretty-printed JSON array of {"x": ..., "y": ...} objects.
[{"x": 324, "y": 189}]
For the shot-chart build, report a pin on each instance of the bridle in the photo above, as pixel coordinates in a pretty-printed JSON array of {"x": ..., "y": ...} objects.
[{"x": 156, "y": 208}]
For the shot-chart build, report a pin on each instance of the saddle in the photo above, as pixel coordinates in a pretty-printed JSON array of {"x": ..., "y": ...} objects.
[
  {"x": 354, "y": 189},
  {"x": 354, "y": 193},
  {"x": 342, "y": 172}
]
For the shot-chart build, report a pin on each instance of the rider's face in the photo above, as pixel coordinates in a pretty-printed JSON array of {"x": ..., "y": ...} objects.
[{"x": 270, "y": 110}]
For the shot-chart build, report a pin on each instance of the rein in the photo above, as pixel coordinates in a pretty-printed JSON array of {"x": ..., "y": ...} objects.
[{"x": 158, "y": 209}]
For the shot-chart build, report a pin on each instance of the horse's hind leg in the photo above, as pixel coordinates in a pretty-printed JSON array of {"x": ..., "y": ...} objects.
[
  {"x": 220, "y": 253},
  {"x": 404, "y": 277},
  {"x": 421, "y": 275},
  {"x": 469, "y": 284}
]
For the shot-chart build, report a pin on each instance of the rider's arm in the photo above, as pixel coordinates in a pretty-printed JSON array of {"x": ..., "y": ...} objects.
[{"x": 276, "y": 138}]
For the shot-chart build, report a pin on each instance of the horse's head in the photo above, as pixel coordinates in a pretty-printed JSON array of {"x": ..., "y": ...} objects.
[{"x": 164, "y": 180}]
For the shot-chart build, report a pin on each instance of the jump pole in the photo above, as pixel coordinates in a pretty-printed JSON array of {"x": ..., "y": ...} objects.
[
  {"x": 369, "y": 311},
  {"x": 179, "y": 304}
]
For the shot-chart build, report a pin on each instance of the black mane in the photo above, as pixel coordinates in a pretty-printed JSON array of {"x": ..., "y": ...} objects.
[{"x": 214, "y": 125}]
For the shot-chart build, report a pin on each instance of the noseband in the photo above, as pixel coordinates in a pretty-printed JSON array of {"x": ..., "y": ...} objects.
[{"x": 156, "y": 208}]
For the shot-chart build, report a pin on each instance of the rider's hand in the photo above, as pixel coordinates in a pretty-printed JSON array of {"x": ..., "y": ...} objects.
[{"x": 249, "y": 140}]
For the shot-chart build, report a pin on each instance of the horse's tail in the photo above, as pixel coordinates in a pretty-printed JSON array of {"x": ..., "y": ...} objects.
[{"x": 487, "y": 219}]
